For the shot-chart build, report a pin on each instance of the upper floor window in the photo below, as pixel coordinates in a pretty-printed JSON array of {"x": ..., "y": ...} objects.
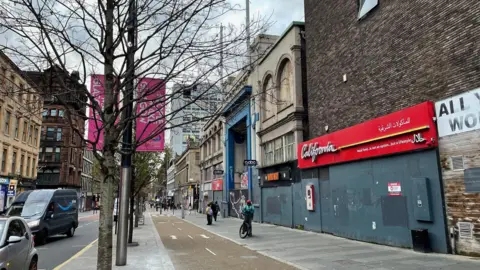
[
  {"x": 50, "y": 133},
  {"x": 7, "y": 122},
  {"x": 279, "y": 150},
  {"x": 268, "y": 98},
  {"x": 285, "y": 85},
  {"x": 53, "y": 112},
  {"x": 365, "y": 6}
]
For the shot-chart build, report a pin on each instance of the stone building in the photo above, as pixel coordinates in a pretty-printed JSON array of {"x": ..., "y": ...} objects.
[
  {"x": 279, "y": 80},
  {"x": 211, "y": 166},
  {"x": 187, "y": 177},
  {"x": 20, "y": 122}
]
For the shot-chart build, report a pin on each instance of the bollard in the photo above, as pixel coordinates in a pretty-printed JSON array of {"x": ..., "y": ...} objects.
[{"x": 183, "y": 212}]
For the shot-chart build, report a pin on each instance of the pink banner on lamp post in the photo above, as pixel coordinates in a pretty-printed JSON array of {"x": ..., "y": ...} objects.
[
  {"x": 95, "y": 124},
  {"x": 151, "y": 115}
]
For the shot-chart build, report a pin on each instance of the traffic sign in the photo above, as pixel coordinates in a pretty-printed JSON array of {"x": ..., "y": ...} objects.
[
  {"x": 217, "y": 172},
  {"x": 249, "y": 162}
]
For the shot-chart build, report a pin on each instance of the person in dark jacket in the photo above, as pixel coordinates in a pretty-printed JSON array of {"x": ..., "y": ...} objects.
[{"x": 216, "y": 209}]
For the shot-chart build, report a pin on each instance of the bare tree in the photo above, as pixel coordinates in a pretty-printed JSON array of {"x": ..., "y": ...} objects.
[{"x": 176, "y": 41}]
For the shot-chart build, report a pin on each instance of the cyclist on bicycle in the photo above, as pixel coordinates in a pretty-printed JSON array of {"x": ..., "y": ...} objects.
[{"x": 248, "y": 212}]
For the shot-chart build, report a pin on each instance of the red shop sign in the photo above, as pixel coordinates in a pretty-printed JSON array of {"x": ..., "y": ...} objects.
[
  {"x": 217, "y": 184},
  {"x": 406, "y": 130}
]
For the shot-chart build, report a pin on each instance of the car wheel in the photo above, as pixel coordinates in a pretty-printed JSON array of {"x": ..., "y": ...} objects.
[
  {"x": 71, "y": 232},
  {"x": 33, "y": 264}
]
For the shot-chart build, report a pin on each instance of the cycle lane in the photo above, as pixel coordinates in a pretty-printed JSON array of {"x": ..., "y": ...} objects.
[{"x": 191, "y": 247}]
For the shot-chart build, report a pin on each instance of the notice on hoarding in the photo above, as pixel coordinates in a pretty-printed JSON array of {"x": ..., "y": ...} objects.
[{"x": 394, "y": 189}]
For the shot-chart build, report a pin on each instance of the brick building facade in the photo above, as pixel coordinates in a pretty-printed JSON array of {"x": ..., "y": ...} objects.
[
  {"x": 61, "y": 145},
  {"x": 398, "y": 54}
]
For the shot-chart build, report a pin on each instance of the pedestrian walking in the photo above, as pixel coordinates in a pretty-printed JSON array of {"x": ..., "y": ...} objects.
[
  {"x": 216, "y": 209},
  {"x": 95, "y": 207},
  {"x": 209, "y": 213}
]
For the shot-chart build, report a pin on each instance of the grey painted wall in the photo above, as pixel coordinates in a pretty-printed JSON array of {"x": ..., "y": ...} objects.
[
  {"x": 277, "y": 205},
  {"x": 355, "y": 202}
]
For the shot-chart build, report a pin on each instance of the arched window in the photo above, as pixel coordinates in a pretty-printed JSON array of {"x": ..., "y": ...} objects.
[
  {"x": 285, "y": 82},
  {"x": 268, "y": 99}
]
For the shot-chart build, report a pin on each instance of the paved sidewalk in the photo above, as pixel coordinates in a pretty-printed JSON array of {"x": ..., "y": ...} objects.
[
  {"x": 149, "y": 254},
  {"x": 308, "y": 250}
]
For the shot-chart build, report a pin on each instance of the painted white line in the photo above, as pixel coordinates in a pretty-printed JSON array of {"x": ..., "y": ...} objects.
[
  {"x": 204, "y": 236},
  {"x": 179, "y": 229},
  {"x": 161, "y": 222},
  {"x": 173, "y": 237},
  {"x": 211, "y": 251},
  {"x": 190, "y": 237}
]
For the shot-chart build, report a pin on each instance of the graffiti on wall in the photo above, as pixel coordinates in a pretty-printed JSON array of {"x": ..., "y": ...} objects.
[{"x": 238, "y": 199}]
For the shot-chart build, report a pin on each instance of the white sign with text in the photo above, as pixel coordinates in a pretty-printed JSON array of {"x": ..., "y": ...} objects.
[{"x": 458, "y": 114}]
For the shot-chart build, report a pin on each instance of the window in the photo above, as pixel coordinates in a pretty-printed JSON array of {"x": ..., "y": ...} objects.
[
  {"x": 45, "y": 113},
  {"x": 28, "y": 167},
  {"x": 278, "y": 150},
  {"x": 285, "y": 84},
  {"x": 61, "y": 113},
  {"x": 14, "y": 162},
  {"x": 59, "y": 134},
  {"x": 48, "y": 154},
  {"x": 57, "y": 154},
  {"x": 50, "y": 133},
  {"x": 289, "y": 147},
  {"x": 197, "y": 156},
  {"x": 53, "y": 112},
  {"x": 30, "y": 131},
  {"x": 268, "y": 98},
  {"x": 16, "y": 228},
  {"x": 22, "y": 157},
  {"x": 25, "y": 127},
  {"x": 269, "y": 153},
  {"x": 11, "y": 88},
  {"x": 365, "y": 6},
  {"x": 4, "y": 160},
  {"x": 35, "y": 136},
  {"x": 34, "y": 164},
  {"x": 7, "y": 122},
  {"x": 17, "y": 126}
]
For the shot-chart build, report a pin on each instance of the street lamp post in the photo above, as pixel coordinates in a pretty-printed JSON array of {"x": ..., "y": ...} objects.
[{"x": 121, "y": 254}]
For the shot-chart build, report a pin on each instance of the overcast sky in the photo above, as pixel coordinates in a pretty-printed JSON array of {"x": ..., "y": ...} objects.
[{"x": 280, "y": 12}]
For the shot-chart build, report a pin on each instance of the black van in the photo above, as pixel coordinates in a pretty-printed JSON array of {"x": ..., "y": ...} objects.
[{"x": 47, "y": 212}]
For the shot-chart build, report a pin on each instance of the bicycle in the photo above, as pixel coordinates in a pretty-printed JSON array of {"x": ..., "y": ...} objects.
[{"x": 245, "y": 229}]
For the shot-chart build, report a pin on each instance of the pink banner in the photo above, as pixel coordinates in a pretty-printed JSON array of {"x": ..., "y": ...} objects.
[
  {"x": 151, "y": 115},
  {"x": 95, "y": 124}
]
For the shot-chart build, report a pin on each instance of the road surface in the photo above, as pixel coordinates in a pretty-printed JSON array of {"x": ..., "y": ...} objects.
[{"x": 60, "y": 248}]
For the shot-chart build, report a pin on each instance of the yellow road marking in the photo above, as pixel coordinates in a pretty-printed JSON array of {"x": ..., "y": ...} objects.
[{"x": 76, "y": 255}]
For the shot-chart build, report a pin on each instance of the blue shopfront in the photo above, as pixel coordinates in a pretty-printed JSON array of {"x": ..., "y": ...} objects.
[
  {"x": 4, "y": 182},
  {"x": 238, "y": 148}
]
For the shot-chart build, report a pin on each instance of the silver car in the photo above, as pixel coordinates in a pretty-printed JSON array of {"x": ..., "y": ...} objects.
[{"x": 17, "y": 248}]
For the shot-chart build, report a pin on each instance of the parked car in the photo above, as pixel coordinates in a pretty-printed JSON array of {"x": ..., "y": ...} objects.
[
  {"x": 47, "y": 212},
  {"x": 17, "y": 248}
]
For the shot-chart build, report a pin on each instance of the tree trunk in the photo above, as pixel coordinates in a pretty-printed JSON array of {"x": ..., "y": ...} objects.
[
  {"x": 137, "y": 211},
  {"x": 104, "y": 253},
  {"x": 130, "y": 220}
]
